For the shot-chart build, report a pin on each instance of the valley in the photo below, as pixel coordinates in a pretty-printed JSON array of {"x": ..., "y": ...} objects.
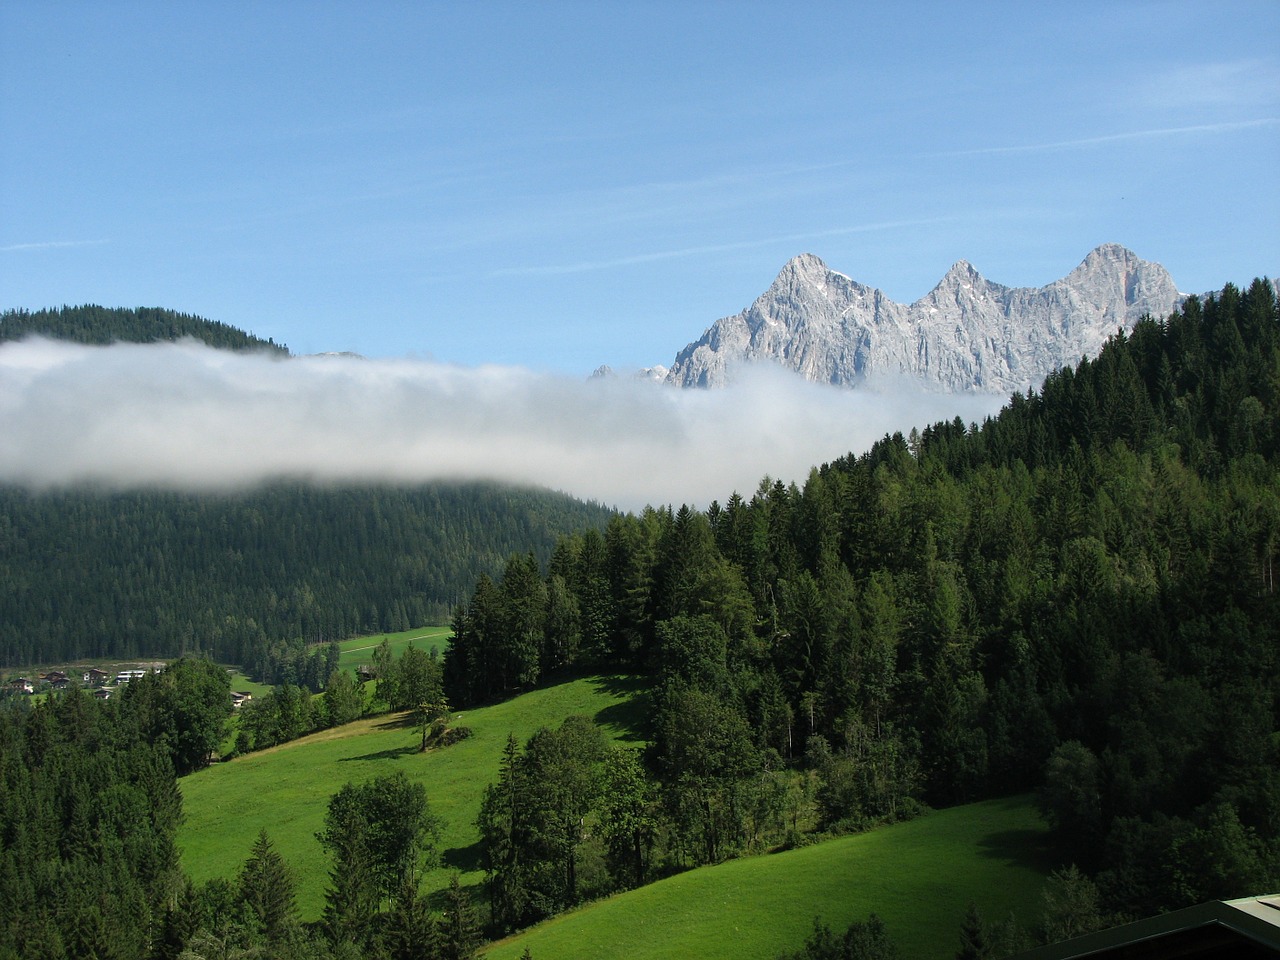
[{"x": 973, "y": 662}]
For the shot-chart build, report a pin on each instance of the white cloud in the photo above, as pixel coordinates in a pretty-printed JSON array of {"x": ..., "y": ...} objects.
[
  {"x": 189, "y": 417},
  {"x": 1148, "y": 134},
  {"x": 683, "y": 252},
  {"x": 50, "y": 245},
  {"x": 1244, "y": 84}
]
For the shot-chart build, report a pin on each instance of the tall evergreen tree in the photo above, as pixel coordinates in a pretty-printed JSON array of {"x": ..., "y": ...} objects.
[{"x": 268, "y": 891}]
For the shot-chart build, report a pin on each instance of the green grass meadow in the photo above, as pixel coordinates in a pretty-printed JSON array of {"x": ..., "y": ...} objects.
[
  {"x": 917, "y": 876},
  {"x": 285, "y": 790},
  {"x": 359, "y": 650},
  {"x": 241, "y": 682}
]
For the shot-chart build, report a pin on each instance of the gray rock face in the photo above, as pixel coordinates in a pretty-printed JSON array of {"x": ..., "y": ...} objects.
[{"x": 967, "y": 334}]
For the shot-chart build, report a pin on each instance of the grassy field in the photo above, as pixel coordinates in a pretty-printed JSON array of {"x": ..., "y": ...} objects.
[
  {"x": 360, "y": 649},
  {"x": 240, "y": 681},
  {"x": 285, "y": 790},
  {"x": 918, "y": 876}
]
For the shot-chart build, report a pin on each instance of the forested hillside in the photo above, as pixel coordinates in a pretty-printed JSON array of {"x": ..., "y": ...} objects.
[
  {"x": 94, "y": 324},
  {"x": 1077, "y": 596},
  {"x": 249, "y": 578}
]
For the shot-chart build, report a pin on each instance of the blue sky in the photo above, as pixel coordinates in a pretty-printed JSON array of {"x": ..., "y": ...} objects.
[{"x": 560, "y": 185}]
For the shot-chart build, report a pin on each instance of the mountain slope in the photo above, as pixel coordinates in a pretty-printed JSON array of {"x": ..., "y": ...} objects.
[
  {"x": 92, "y": 573},
  {"x": 967, "y": 334}
]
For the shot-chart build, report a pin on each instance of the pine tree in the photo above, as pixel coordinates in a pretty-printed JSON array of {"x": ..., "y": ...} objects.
[
  {"x": 267, "y": 889},
  {"x": 458, "y": 932},
  {"x": 975, "y": 944},
  {"x": 351, "y": 902},
  {"x": 411, "y": 931},
  {"x": 503, "y": 824}
]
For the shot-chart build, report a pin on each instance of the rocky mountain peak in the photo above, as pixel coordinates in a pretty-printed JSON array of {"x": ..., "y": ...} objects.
[
  {"x": 806, "y": 264},
  {"x": 960, "y": 270},
  {"x": 1109, "y": 253},
  {"x": 1108, "y": 260},
  {"x": 806, "y": 270},
  {"x": 967, "y": 334}
]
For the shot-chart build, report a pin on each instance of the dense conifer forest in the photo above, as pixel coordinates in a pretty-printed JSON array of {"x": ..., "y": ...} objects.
[
  {"x": 251, "y": 578},
  {"x": 1076, "y": 597},
  {"x": 101, "y": 325}
]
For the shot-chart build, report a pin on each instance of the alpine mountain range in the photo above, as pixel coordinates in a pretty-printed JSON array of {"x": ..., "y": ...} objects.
[{"x": 967, "y": 334}]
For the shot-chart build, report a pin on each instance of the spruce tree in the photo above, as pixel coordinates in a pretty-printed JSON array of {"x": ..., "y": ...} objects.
[
  {"x": 267, "y": 890},
  {"x": 975, "y": 944},
  {"x": 458, "y": 931}
]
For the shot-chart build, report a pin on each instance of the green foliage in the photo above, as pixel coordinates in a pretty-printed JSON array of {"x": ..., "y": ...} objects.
[
  {"x": 284, "y": 714},
  {"x": 267, "y": 891},
  {"x": 387, "y": 824},
  {"x": 533, "y": 821},
  {"x": 975, "y": 942},
  {"x": 1071, "y": 794},
  {"x": 418, "y": 680},
  {"x": 629, "y": 817},
  {"x": 458, "y": 934},
  {"x": 1071, "y": 907},
  {"x": 88, "y": 813},
  {"x": 863, "y": 940},
  {"x": 343, "y": 699},
  {"x": 183, "y": 709}
]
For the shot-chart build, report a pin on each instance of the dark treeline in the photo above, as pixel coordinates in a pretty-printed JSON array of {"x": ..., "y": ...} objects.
[
  {"x": 1076, "y": 597},
  {"x": 253, "y": 577},
  {"x": 101, "y": 325}
]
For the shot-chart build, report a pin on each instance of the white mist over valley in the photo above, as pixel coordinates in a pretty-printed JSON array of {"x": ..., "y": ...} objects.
[{"x": 186, "y": 416}]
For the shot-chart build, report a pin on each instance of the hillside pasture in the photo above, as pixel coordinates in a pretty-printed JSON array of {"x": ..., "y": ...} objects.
[
  {"x": 286, "y": 789},
  {"x": 359, "y": 650},
  {"x": 918, "y": 876}
]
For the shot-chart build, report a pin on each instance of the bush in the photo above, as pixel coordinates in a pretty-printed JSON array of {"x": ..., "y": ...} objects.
[{"x": 453, "y": 735}]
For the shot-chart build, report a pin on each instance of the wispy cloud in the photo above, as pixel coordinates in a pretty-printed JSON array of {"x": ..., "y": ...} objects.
[
  {"x": 585, "y": 266},
  {"x": 188, "y": 417},
  {"x": 1193, "y": 129},
  {"x": 1244, "y": 85},
  {"x": 50, "y": 245},
  {"x": 624, "y": 208}
]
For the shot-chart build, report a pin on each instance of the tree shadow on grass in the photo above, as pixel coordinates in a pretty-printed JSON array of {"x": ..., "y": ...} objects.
[
  {"x": 1028, "y": 847},
  {"x": 439, "y": 899},
  {"x": 396, "y": 721},
  {"x": 630, "y": 717},
  {"x": 394, "y": 753},
  {"x": 1022, "y": 847},
  {"x": 463, "y": 859}
]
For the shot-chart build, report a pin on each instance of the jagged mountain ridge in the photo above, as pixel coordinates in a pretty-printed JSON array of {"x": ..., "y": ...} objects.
[{"x": 966, "y": 334}]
